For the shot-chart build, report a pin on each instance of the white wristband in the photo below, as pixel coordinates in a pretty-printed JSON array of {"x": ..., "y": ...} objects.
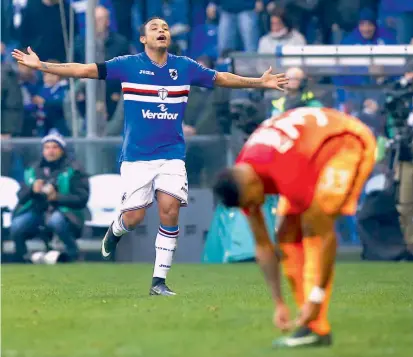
[{"x": 317, "y": 295}]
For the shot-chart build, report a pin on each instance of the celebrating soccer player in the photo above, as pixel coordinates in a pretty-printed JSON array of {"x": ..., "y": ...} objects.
[
  {"x": 318, "y": 161},
  {"x": 155, "y": 87}
]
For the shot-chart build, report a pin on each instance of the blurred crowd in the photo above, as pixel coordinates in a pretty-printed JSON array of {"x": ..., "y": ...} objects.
[{"x": 33, "y": 104}]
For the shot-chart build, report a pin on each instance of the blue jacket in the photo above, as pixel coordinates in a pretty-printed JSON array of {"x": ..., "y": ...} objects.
[
  {"x": 52, "y": 109},
  {"x": 397, "y": 6},
  {"x": 29, "y": 90},
  {"x": 381, "y": 37}
]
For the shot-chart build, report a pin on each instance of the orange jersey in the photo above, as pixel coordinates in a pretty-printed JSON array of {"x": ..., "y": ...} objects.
[{"x": 285, "y": 150}]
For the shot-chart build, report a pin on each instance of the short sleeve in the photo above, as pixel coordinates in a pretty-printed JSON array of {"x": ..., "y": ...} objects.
[
  {"x": 201, "y": 76},
  {"x": 116, "y": 68}
]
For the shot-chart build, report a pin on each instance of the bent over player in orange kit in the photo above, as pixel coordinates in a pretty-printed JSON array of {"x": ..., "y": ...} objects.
[{"x": 317, "y": 160}]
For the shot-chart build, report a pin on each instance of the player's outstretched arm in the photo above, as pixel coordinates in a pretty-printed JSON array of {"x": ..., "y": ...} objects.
[
  {"x": 267, "y": 80},
  {"x": 77, "y": 70}
]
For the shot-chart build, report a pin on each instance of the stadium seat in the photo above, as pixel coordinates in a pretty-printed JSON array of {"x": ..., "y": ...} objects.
[
  {"x": 8, "y": 198},
  {"x": 105, "y": 193}
]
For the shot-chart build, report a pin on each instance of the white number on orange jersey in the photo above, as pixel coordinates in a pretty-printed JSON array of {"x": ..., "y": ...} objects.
[
  {"x": 272, "y": 138},
  {"x": 288, "y": 125},
  {"x": 334, "y": 180}
]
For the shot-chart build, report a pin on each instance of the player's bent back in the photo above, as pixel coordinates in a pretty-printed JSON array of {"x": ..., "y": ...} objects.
[{"x": 290, "y": 153}]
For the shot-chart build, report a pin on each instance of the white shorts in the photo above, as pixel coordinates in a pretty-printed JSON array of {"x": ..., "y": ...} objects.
[{"x": 141, "y": 179}]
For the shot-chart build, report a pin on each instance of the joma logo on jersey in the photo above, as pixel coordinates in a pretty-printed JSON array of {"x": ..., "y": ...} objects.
[{"x": 163, "y": 115}]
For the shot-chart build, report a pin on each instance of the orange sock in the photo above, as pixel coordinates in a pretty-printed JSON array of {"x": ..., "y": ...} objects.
[
  {"x": 293, "y": 264},
  {"x": 312, "y": 250}
]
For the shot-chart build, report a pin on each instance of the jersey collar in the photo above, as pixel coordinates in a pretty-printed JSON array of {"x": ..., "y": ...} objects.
[{"x": 156, "y": 64}]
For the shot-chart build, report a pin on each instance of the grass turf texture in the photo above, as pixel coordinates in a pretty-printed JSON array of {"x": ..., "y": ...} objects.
[{"x": 222, "y": 310}]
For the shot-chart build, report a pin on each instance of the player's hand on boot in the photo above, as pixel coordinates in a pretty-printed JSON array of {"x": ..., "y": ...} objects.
[
  {"x": 30, "y": 60},
  {"x": 282, "y": 317},
  {"x": 273, "y": 81},
  {"x": 309, "y": 312}
]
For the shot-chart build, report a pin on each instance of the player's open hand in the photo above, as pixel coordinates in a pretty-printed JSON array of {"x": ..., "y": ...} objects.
[
  {"x": 30, "y": 60},
  {"x": 282, "y": 318},
  {"x": 308, "y": 313},
  {"x": 273, "y": 81}
]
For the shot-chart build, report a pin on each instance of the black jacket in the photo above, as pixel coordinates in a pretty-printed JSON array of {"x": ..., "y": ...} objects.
[
  {"x": 11, "y": 102},
  {"x": 41, "y": 28}
]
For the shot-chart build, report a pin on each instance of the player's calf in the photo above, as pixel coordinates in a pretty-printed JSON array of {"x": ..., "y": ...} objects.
[{"x": 165, "y": 243}]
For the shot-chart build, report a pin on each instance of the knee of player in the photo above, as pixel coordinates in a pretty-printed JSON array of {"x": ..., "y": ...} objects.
[
  {"x": 132, "y": 218},
  {"x": 169, "y": 211}
]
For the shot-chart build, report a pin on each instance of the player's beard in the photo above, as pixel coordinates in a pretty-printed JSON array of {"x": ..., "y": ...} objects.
[{"x": 160, "y": 48}]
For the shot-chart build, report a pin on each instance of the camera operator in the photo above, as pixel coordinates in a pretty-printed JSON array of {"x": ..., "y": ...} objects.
[
  {"x": 54, "y": 194},
  {"x": 399, "y": 105},
  {"x": 297, "y": 94}
]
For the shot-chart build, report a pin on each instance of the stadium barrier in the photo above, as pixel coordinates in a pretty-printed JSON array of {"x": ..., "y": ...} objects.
[
  {"x": 325, "y": 60},
  {"x": 99, "y": 156}
]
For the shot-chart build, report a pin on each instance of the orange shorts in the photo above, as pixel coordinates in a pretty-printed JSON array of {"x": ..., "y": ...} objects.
[{"x": 346, "y": 162}]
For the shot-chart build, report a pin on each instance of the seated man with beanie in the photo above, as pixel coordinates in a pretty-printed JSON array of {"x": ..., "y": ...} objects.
[{"x": 54, "y": 195}]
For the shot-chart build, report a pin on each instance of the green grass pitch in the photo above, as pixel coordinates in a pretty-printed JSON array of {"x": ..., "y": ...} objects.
[{"x": 104, "y": 310}]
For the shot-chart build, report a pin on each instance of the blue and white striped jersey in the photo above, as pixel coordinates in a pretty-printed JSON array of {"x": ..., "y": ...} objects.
[{"x": 155, "y": 98}]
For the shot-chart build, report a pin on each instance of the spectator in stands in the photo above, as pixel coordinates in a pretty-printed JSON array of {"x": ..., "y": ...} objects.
[
  {"x": 281, "y": 34},
  {"x": 41, "y": 27},
  {"x": 297, "y": 94},
  {"x": 236, "y": 19},
  {"x": 300, "y": 12},
  {"x": 207, "y": 113},
  {"x": 371, "y": 116},
  {"x": 30, "y": 83},
  {"x": 54, "y": 195},
  {"x": 6, "y": 21},
  {"x": 368, "y": 32},
  {"x": 339, "y": 17},
  {"x": 12, "y": 116},
  {"x": 49, "y": 104},
  {"x": 109, "y": 44},
  {"x": 80, "y": 7},
  {"x": 400, "y": 12},
  {"x": 11, "y": 101}
]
